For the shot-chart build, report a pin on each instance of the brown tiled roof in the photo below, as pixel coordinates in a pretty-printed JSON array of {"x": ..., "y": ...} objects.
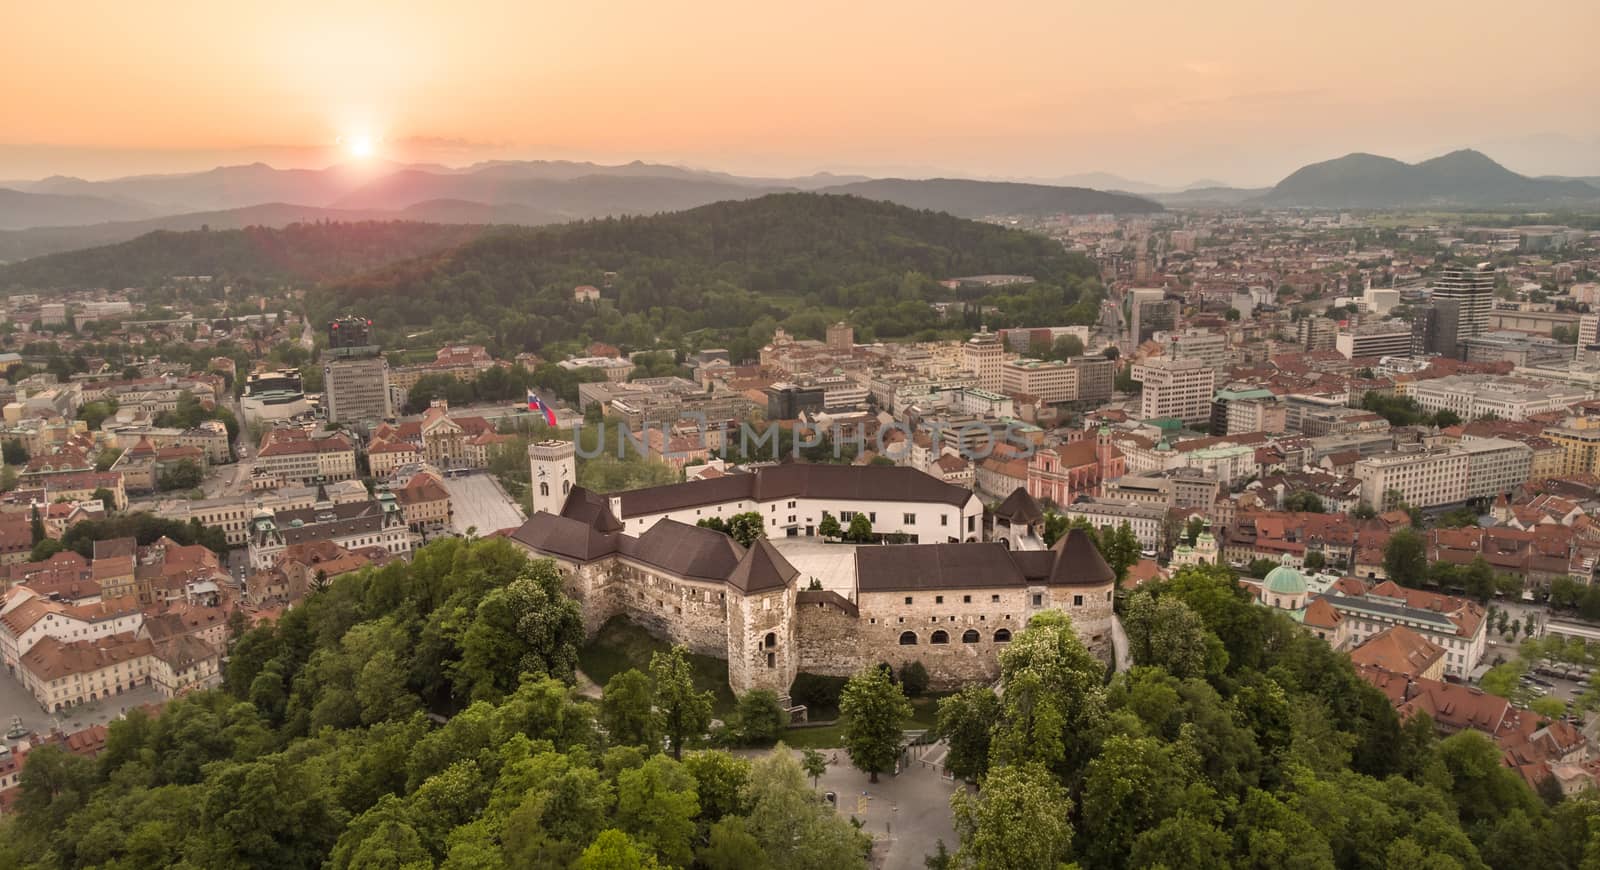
[
  {"x": 591, "y": 508},
  {"x": 763, "y": 568},
  {"x": 685, "y": 550},
  {"x": 52, "y": 659},
  {"x": 1399, "y": 650},
  {"x": 560, "y": 536},
  {"x": 1078, "y": 562},
  {"x": 935, "y": 566},
  {"x": 1019, "y": 508}
]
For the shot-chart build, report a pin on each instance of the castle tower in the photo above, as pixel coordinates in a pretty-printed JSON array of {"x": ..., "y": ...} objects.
[{"x": 553, "y": 472}]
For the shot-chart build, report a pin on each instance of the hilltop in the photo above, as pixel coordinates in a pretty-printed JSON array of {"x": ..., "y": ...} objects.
[
  {"x": 731, "y": 267},
  {"x": 1460, "y": 178}
]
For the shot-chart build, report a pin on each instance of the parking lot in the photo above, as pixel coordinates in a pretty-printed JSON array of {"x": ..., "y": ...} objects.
[{"x": 478, "y": 502}]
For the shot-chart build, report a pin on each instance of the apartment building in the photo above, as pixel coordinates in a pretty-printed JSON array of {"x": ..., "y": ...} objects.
[
  {"x": 1051, "y": 382},
  {"x": 1420, "y": 477},
  {"x": 1144, "y": 519},
  {"x": 297, "y": 456},
  {"x": 356, "y": 388},
  {"x": 1209, "y": 348},
  {"x": 1175, "y": 388}
]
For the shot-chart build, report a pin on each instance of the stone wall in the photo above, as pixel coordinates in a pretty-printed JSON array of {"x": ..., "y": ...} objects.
[
  {"x": 826, "y": 640},
  {"x": 761, "y": 641}
]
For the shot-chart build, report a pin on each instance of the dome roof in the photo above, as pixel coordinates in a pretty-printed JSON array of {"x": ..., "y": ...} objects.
[{"x": 1284, "y": 580}]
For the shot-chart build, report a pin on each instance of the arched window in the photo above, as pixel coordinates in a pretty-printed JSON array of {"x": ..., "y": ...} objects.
[
  {"x": 1002, "y": 636},
  {"x": 771, "y": 640},
  {"x": 566, "y": 487},
  {"x": 939, "y": 637},
  {"x": 908, "y": 638},
  {"x": 544, "y": 489},
  {"x": 969, "y": 636}
]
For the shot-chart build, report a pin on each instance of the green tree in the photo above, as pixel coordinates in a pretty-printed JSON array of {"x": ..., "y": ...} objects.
[
  {"x": 1134, "y": 785},
  {"x": 614, "y": 850},
  {"x": 528, "y": 626},
  {"x": 1405, "y": 558},
  {"x": 747, "y": 528},
  {"x": 873, "y": 708},
  {"x": 1052, "y": 700},
  {"x": 790, "y": 822},
  {"x": 627, "y": 710},
  {"x": 1066, "y": 347},
  {"x": 1304, "y": 501},
  {"x": 860, "y": 529},
  {"x": 684, "y": 712},
  {"x": 657, "y": 803},
  {"x": 183, "y": 474},
  {"x": 731, "y": 846},
  {"x": 1165, "y": 633},
  {"x": 1314, "y": 561},
  {"x": 1019, "y": 819},
  {"x": 814, "y": 764},
  {"x": 13, "y": 452},
  {"x": 1121, "y": 549},
  {"x": 966, "y": 721},
  {"x": 829, "y": 526},
  {"x": 758, "y": 718},
  {"x": 913, "y": 679}
]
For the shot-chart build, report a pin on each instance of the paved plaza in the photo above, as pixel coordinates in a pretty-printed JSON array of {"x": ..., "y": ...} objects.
[
  {"x": 832, "y": 565},
  {"x": 906, "y": 815},
  {"x": 15, "y": 701},
  {"x": 478, "y": 501}
]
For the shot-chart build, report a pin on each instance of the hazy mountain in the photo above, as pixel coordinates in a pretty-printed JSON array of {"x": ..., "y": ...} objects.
[
  {"x": 222, "y": 188},
  {"x": 38, "y": 241},
  {"x": 300, "y": 251},
  {"x": 575, "y": 198},
  {"x": 1460, "y": 178},
  {"x": 975, "y": 199},
  {"x": 1212, "y": 196},
  {"x": 24, "y": 209}
]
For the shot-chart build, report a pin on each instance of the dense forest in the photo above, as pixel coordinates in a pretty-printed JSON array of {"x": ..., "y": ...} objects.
[
  {"x": 726, "y": 273},
  {"x": 254, "y": 256},
  {"x": 423, "y": 715}
]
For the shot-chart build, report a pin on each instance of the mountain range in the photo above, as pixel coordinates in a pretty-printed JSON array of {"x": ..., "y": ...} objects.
[{"x": 60, "y": 213}]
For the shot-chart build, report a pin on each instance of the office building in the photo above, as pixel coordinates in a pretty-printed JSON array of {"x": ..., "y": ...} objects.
[
  {"x": 1384, "y": 338},
  {"x": 1519, "y": 349},
  {"x": 789, "y": 401},
  {"x": 1097, "y": 378},
  {"x": 1317, "y": 333},
  {"x": 1478, "y": 468},
  {"x": 356, "y": 388},
  {"x": 1472, "y": 292},
  {"x": 841, "y": 337},
  {"x": 983, "y": 356},
  {"x": 1175, "y": 389},
  {"x": 1508, "y": 398},
  {"x": 1210, "y": 348},
  {"x": 1049, "y": 381}
]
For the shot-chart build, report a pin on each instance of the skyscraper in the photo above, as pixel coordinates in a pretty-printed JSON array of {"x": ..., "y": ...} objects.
[
  {"x": 1464, "y": 297},
  {"x": 354, "y": 373},
  {"x": 984, "y": 356}
]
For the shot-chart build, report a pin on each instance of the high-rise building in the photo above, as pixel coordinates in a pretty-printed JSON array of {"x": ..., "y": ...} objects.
[
  {"x": 1150, "y": 312},
  {"x": 984, "y": 356},
  {"x": 841, "y": 337},
  {"x": 356, "y": 388},
  {"x": 1588, "y": 330},
  {"x": 1384, "y": 338},
  {"x": 349, "y": 332},
  {"x": 1179, "y": 389},
  {"x": 1097, "y": 377},
  {"x": 1318, "y": 333},
  {"x": 1472, "y": 291}
]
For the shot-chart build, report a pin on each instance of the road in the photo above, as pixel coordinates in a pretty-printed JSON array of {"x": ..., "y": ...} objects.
[{"x": 1119, "y": 645}]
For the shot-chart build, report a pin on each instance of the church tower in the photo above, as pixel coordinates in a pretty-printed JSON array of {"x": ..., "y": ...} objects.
[{"x": 553, "y": 472}]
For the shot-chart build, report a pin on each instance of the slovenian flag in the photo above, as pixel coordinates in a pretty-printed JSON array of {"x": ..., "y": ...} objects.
[{"x": 538, "y": 406}]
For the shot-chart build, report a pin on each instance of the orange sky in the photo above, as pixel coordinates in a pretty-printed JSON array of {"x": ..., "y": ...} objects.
[{"x": 1244, "y": 90}]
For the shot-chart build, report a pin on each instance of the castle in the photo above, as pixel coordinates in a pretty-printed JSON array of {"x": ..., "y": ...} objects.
[{"x": 951, "y": 600}]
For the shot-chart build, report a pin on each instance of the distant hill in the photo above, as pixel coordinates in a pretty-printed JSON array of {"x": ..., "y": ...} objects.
[
  {"x": 1460, "y": 178},
  {"x": 1209, "y": 196},
  {"x": 310, "y": 252},
  {"x": 22, "y": 209},
  {"x": 976, "y": 199},
  {"x": 586, "y": 196},
  {"x": 18, "y": 245}
]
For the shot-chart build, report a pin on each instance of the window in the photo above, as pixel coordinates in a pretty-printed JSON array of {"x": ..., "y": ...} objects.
[
  {"x": 771, "y": 640},
  {"x": 846, "y": 516},
  {"x": 544, "y": 489},
  {"x": 908, "y": 599},
  {"x": 1077, "y": 601},
  {"x": 938, "y": 599},
  {"x": 1002, "y": 635},
  {"x": 872, "y": 516},
  {"x": 966, "y": 599},
  {"x": 939, "y": 637},
  {"x": 944, "y": 519},
  {"x": 1038, "y": 599},
  {"x": 909, "y": 519},
  {"x": 994, "y": 599},
  {"x": 969, "y": 636},
  {"x": 972, "y": 523},
  {"x": 908, "y": 638}
]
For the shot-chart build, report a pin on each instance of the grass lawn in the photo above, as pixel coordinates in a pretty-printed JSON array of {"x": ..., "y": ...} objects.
[
  {"x": 923, "y": 712},
  {"x": 620, "y": 645}
]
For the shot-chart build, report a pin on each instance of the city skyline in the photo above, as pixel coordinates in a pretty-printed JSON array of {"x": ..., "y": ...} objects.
[{"x": 1241, "y": 93}]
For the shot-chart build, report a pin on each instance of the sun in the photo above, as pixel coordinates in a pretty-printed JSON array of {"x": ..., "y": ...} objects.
[{"x": 358, "y": 145}]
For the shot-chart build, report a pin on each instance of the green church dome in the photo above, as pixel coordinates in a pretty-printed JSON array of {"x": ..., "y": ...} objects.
[{"x": 1284, "y": 580}]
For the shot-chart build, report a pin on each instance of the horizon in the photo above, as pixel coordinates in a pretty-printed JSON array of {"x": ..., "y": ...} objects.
[{"x": 1028, "y": 93}]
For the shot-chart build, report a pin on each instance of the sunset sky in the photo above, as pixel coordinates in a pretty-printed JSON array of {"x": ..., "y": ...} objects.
[{"x": 1237, "y": 90}]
